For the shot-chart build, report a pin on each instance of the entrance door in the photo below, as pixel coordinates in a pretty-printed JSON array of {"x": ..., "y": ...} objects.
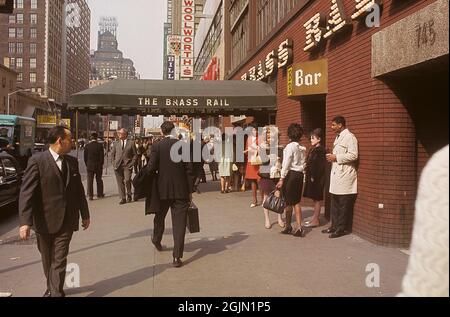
[{"x": 313, "y": 114}]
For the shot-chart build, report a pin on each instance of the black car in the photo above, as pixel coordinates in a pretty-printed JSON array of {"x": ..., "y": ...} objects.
[{"x": 10, "y": 179}]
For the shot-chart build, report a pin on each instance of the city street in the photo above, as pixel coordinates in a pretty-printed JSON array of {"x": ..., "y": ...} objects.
[
  {"x": 233, "y": 255},
  {"x": 348, "y": 97}
]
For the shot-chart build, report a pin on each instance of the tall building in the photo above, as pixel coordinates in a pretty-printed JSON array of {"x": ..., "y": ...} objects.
[
  {"x": 108, "y": 62},
  {"x": 180, "y": 24},
  {"x": 47, "y": 43},
  {"x": 77, "y": 63}
]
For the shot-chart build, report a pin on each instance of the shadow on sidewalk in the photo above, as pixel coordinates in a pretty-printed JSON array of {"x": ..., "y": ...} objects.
[
  {"x": 140, "y": 234},
  {"x": 206, "y": 247}
]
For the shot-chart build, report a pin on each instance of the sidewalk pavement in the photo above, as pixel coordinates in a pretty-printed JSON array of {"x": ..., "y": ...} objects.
[{"x": 233, "y": 255}]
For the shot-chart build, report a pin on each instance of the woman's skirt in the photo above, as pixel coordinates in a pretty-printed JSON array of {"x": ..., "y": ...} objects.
[
  {"x": 293, "y": 187},
  {"x": 251, "y": 172},
  {"x": 267, "y": 185}
]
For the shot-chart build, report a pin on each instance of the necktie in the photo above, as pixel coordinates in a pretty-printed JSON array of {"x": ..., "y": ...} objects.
[
  {"x": 63, "y": 169},
  {"x": 123, "y": 144}
]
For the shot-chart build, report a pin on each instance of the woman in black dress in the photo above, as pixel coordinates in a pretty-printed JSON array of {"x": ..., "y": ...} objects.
[{"x": 315, "y": 176}]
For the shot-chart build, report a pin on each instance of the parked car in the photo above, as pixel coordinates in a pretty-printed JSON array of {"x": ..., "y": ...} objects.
[{"x": 10, "y": 179}]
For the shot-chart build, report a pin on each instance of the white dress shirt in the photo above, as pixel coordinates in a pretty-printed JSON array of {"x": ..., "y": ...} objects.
[
  {"x": 294, "y": 157},
  {"x": 57, "y": 158}
]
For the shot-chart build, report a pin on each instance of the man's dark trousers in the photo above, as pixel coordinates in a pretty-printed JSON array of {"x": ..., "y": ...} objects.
[
  {"x": 342, "y": 211},
  {"x": 90, "y": 182},
  {"x": 179, "y": 210},
  {"x": 54, "y": 249}
]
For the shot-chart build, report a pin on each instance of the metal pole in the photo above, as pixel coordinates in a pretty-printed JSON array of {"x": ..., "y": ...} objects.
[
  {"x": 107, "y": 145},
  {"x": 76, "y": 131},
  {"x": 7, "y": 103}
]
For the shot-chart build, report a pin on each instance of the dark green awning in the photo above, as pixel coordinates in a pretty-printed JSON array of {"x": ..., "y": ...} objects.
[{"x": 165, "y": 97}]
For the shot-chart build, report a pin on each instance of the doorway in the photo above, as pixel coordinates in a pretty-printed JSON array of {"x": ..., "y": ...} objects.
[{"x": 313, "y": 114}]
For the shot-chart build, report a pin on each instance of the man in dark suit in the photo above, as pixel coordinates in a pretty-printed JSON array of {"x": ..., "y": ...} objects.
[
  {"x": 124, "y": 156},
  {"x": 51, "y": 201},
  {"x": 94, "y": 159},
  {"x": 175, "y": 186}
]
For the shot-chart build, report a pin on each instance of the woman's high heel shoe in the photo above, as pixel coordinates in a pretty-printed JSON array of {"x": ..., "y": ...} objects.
[
  {"x": 287, "y": 230},
  {"x": 300, "y": 232}
]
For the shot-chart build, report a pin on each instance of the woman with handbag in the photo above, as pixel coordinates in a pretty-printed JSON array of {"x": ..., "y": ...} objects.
[
  {"x": 291, "y": 182},
  {"x": 270, "y": 171},
  {"x": 254, "y": 160},
  {"x": 315, "y": 175}
]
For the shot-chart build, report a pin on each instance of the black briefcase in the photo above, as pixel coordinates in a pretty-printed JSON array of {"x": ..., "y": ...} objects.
[{"x": 193, "y": 223}]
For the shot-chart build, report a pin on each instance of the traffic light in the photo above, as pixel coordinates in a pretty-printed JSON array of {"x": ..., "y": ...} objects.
[{"x": 6, "y": 6}]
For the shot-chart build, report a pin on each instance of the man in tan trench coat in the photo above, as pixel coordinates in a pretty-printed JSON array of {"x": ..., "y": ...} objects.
[{"x": 343, "y": 179}]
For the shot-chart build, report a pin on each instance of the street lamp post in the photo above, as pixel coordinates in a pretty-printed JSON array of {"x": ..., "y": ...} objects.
[{"x": 12, "y": 93}]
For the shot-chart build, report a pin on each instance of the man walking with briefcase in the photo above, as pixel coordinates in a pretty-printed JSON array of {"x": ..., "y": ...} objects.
[{"x": 175, "y": 187}]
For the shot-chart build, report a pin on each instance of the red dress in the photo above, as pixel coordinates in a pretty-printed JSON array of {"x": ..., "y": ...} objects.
[{"x": 252, "y": 171}]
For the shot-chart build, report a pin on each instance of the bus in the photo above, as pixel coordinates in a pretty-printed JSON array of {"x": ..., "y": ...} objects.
[{"x": 17, "y": 137}]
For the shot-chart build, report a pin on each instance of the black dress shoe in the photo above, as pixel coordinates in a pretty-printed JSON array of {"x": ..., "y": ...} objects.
[
  {"x": 299, "y": 233},
  {"x": 157, "y": 245},
  {"x": 47, "y": 294},
  {"x": 337, "y": 234},
  {"x": 177, "y": 262},
  {"x": 100, "y": 196},
  {"x": 129, "y": 200},
  {"x": 122, "y": 202},
  {"x": 91, "y": 198},
  {"x": 135, "y": 199},
  {"x": 329, "y": 230},
  {"x": 287, "y": 230}
]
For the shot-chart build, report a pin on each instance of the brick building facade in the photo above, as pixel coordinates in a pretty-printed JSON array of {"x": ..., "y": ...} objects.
[
  {"x": 388, "y": 81},
  {"x": 47, "y": 43}
]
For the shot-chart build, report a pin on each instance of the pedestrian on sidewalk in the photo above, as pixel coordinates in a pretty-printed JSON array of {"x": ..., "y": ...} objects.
[
  {"x": 213, "y": 165},
  {"x": 123, "y": 158},
  {"x": 428, "y": 269},
  {"x": 139, "y": 153},
  {"x": 269, "y": 172},
  {"x": 175, "y": 187},
  {"x": 199, "y": 172},
  {"x": 315, "y": 175},
  {"x": 252, "y": 169},
  {"x": 51, "y": 201},
  {"x": 226, "y": 161},
  {"x": 291, "y": 182},
  {"x": 94, "y": 160},
  {"x": 343, "y": 179}
]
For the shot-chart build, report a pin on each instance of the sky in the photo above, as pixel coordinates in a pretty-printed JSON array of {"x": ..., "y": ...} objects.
[{"x": 140, "y": 32}]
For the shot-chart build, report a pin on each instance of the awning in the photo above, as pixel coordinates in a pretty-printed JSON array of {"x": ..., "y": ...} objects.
[{"x": 184, "y": 97}]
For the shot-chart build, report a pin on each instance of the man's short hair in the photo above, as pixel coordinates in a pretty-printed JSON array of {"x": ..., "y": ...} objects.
[
  {"x": 167, "y": 128},
  {"x": 339, "y": 120},
  {"x": 94, "y": 136},
  {"x": 56, "y": 132}
]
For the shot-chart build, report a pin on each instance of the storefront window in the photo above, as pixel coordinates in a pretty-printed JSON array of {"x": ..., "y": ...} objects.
[
  {"x": 240, "y": 31},
  {"x": 211, "y": 43},
  {"x": 270, "y": 13}
]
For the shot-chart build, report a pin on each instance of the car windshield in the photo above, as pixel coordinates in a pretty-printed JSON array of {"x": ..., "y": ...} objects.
[{"x": 6, "y": 132}]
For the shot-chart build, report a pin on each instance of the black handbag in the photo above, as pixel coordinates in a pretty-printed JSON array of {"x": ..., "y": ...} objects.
[
  {"x": 193, "y": 223},
  {"x": 275, "y": 202}
]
